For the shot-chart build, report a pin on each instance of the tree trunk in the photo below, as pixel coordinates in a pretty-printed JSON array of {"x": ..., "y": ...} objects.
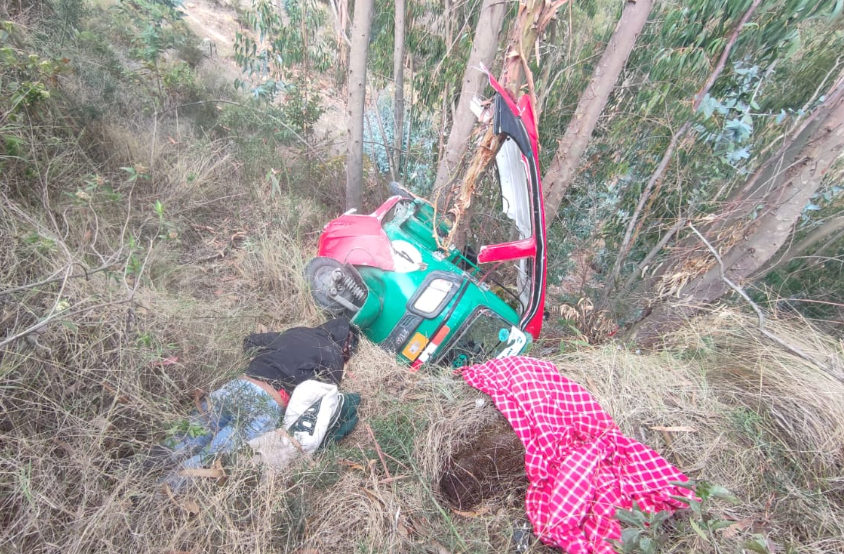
[
  {"x": 355, "y": 106},
  {"x": 816, "y": 147},
  {"x": 827, "y": 229},
  {"x": 560, "y": 174},
  {"x": 531, "y": 21},
  {"x": 398, "y": 78},
  {"x": 474, "y": 82}
]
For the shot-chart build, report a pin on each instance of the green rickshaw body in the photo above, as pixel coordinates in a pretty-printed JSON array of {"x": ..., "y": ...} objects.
[
  {"x": 387, "y": 316},
  {"x": 390, "y": 275}
]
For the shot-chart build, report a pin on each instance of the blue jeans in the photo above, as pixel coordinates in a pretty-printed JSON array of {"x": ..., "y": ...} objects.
[{"x": 234, "y": 414}]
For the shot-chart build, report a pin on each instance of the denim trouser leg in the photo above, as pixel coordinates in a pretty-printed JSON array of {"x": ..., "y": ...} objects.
[{"x": 236, "y": 413}]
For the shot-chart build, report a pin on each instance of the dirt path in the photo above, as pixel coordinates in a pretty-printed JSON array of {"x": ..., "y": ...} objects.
[
  {"x": 217, "y": 25},
  {"x": 217, "y": 22}
]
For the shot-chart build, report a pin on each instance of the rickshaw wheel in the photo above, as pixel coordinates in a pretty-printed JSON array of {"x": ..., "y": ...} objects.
[{"x": 320, "y": 274}]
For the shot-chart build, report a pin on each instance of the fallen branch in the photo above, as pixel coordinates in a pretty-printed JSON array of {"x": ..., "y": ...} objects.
[
  {"x": 53, "y": 279},
  {"x": 63, "y": 315},
  {"x": 759, "y": 313},
  {"x": 378, "y": 450}
]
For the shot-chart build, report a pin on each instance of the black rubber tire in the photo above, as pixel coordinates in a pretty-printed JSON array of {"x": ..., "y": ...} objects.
[{"x": 318, "y": 274}]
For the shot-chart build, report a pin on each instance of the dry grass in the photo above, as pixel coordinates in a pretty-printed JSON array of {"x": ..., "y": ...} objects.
[
  {"x": 81, "y": 404},
  {"x": 767, "y": 425},
  {"x": 76, "y": 421}
]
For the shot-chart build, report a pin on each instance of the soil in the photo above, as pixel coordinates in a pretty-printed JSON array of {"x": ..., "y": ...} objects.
[
  {"x": 492, "y": 465},
  {"x": 217, "y": 24}
]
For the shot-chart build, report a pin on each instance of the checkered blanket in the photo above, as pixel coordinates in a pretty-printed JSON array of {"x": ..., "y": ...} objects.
[{"x": 580, "y": 466}]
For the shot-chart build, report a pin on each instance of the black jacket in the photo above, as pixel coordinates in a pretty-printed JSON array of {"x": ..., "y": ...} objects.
[{"x": 286, "y": 359}]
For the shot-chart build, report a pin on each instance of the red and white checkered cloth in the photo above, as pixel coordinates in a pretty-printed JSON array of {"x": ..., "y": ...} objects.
[{"x": 580, "y": 466}]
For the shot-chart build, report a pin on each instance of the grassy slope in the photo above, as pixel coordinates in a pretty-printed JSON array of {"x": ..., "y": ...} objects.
[{"x": 81, "y": 399}]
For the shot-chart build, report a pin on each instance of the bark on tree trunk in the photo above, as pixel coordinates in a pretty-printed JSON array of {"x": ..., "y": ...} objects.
[
  {"x": 398, "y": 78},
  {"x": 827, "y": 229},
  {"x": 483, "y": 53},
  {"x": 817, "y": 146},
  {"x": 533, "y": 17},
  {"x": 355, "y": 105},
  {"x": 560, "y": 174}
]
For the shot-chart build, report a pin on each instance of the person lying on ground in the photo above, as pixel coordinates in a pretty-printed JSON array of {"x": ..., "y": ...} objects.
[{"x": 254, "y": 403}]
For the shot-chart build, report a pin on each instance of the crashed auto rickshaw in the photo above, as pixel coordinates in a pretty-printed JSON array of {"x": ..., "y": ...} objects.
[{"x": 389, "y": 274}]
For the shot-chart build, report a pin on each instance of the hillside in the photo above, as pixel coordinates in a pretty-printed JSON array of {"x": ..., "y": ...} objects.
[{"x": 151, "y": 216}]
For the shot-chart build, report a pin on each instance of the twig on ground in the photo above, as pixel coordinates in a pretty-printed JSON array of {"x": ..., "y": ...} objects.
[
  {"x": 378, "y": 450},
  {"x": 54, "y": 279},
  {"x": 55, "y": 316},
  {"x": 759, "y": 313}
]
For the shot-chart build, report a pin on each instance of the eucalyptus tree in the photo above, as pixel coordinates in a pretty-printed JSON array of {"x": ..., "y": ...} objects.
[
  {"x": 560, "y": 173},
  {"x": 484, "y": 48},
  {"x": 437, "y": 41},
  {"x": 398, "y": 82},
  {"x": 713, "y": 151},
  {"x": 780, "y": 191},
  {"x": 526, "y": 30},
  {"x": 361, "y": 27},
  {"x": 284, "y": 45}
]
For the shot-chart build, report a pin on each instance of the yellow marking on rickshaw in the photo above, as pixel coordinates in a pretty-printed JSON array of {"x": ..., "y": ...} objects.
[{"x": 415, "y": 346}]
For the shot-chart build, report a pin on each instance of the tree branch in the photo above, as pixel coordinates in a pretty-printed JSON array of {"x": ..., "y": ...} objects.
[
  {"x": 55, "y": 316},
  {"x": 54, "y": 279},
  {"x": 759, "y": 313}
]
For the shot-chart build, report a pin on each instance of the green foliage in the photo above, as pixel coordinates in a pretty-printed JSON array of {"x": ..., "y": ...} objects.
[
  {"x": 94, "y": 192},
  {"x": 157, "y": 21},
  {"x": 180, "y": 82},
  {"x": 396, "y": 432},
  {"x": 418, "y": 135},
  {"x": 26, "y": 78},
  {"x": 302, "y": 106},
  {"x": 752, "y": 103},
  {"x": 733, "y": 117},
  {"x": 285, "y": 41},
  {"x": 288, "y": 47},
  {"x": 255, "y": 131},
  {"x": 644, "y": 533}
]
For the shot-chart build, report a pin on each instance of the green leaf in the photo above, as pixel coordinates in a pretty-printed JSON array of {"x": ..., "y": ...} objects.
[
  {"x": 695, "y": 505},
  {"x": 717, "y": 491},
  {"x": 630, "y": 535},
  {"x": 630, "y": 518},
  {"x": 69, "y": 325},
  {"x": 698, "y": 530},
  {"x": 659, "y": 518},
  {"x": 720, "y": 524},
  {"x": 647, "y": 545},
  {"x": 758, "y": 544},
  {"x": 688, "y": 485}
]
